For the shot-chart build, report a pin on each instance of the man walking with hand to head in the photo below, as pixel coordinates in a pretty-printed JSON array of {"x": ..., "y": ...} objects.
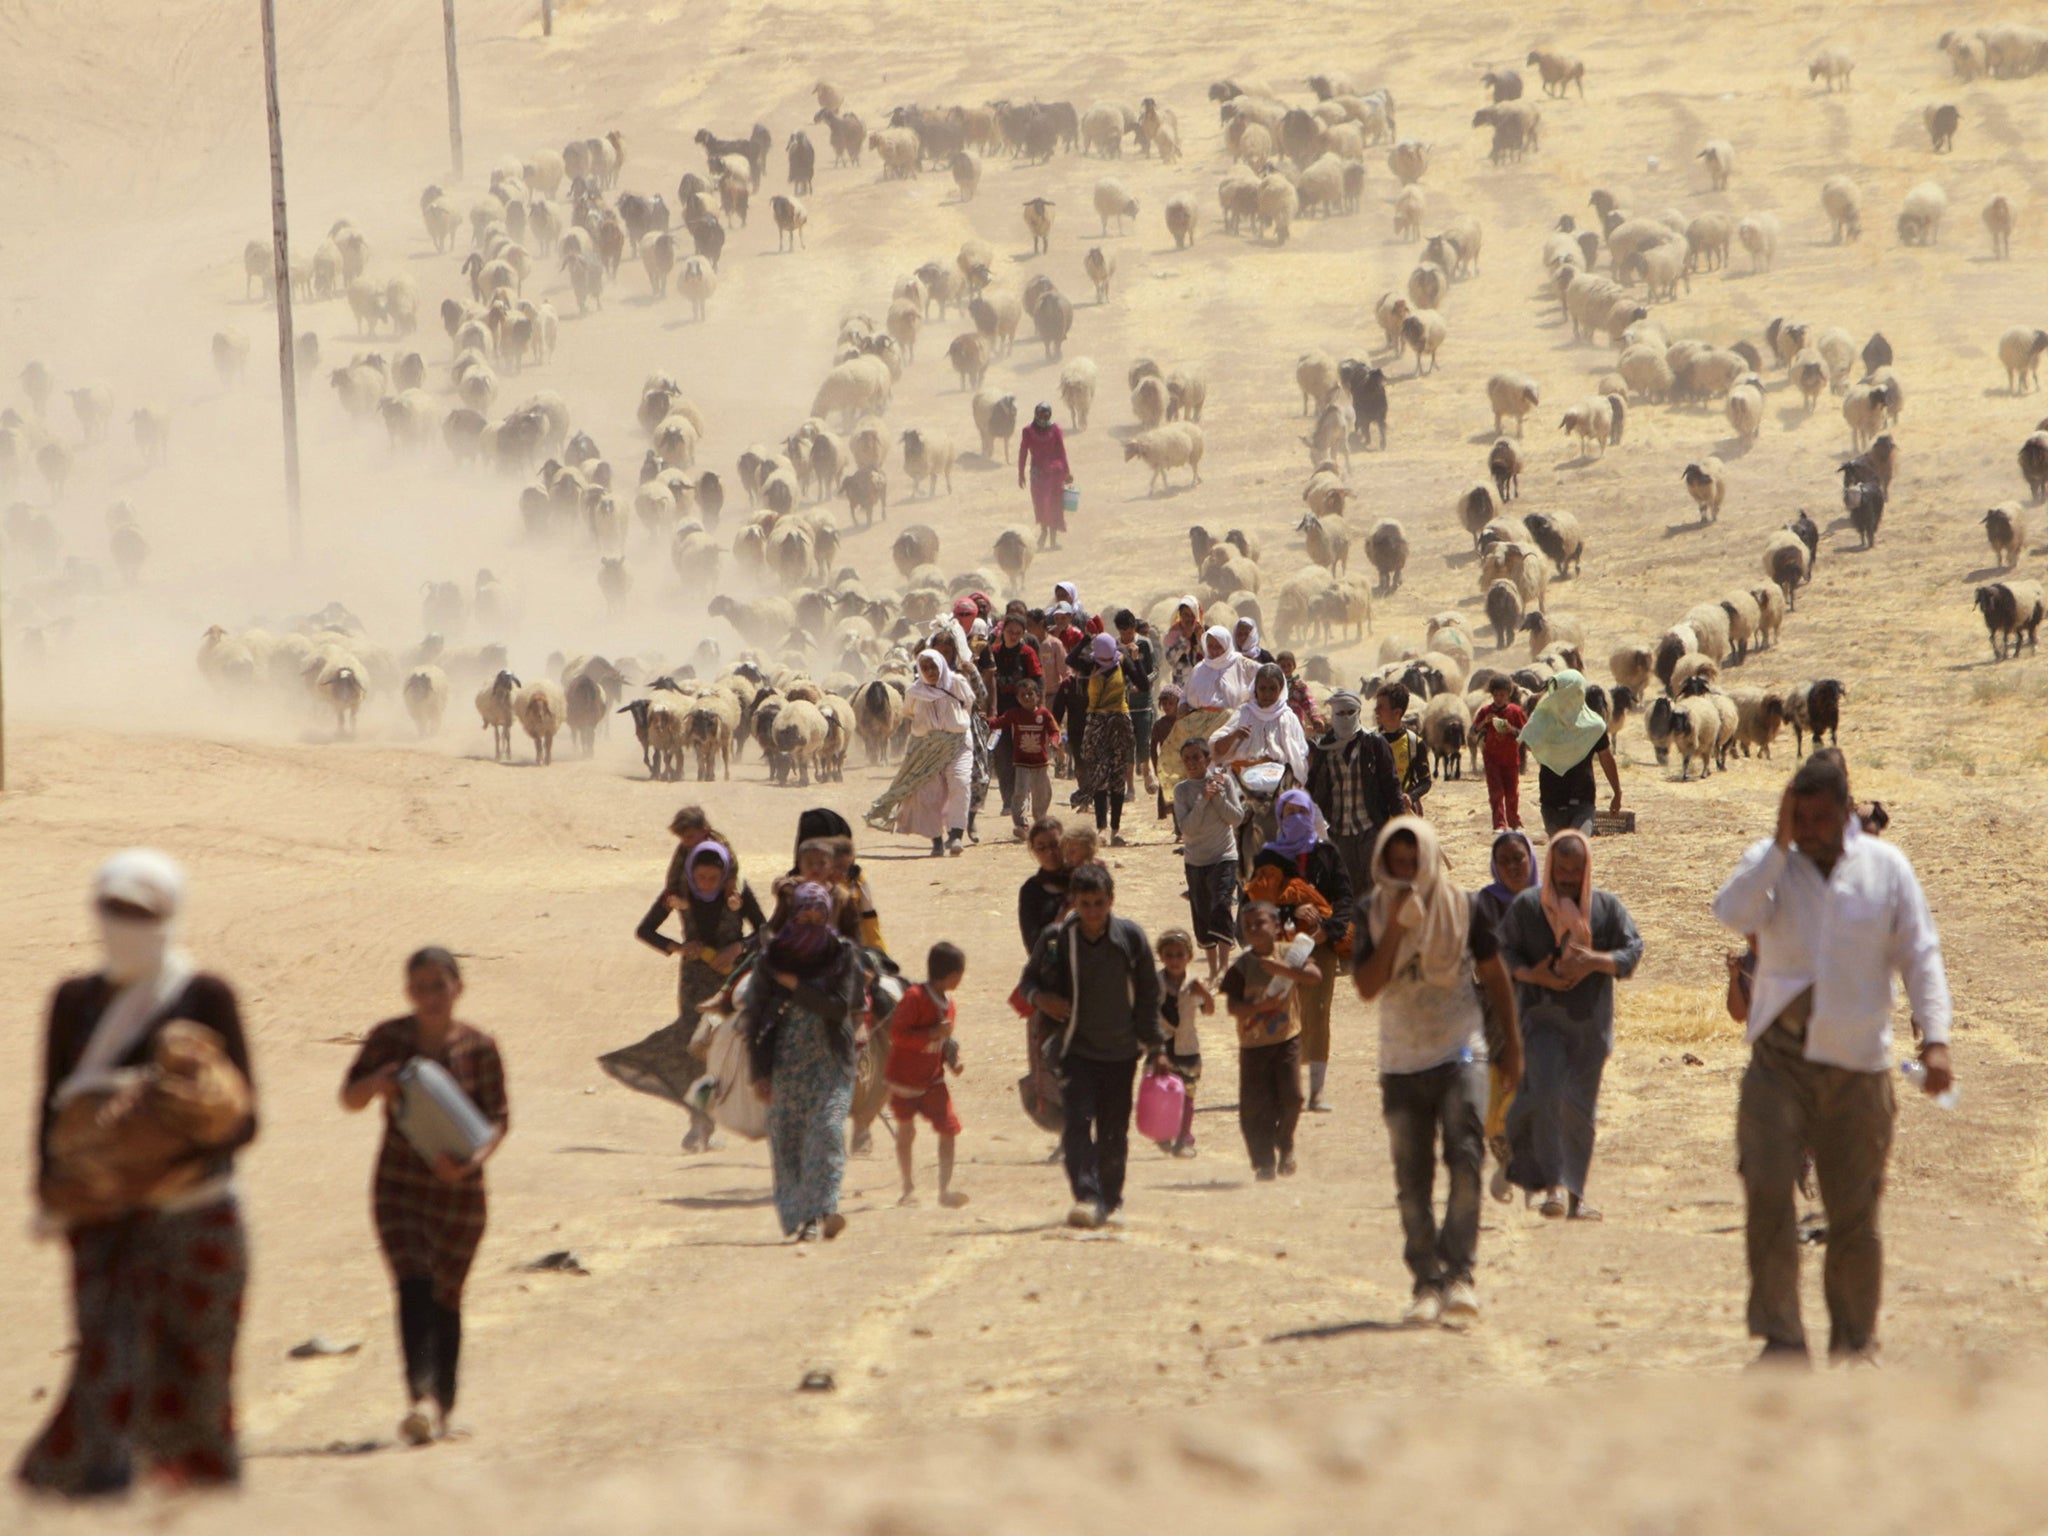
[{"x": 1835, "y": 914}]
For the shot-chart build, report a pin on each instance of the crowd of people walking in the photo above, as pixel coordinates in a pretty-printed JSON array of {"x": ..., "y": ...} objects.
[{"x": 1309, "y": 860}]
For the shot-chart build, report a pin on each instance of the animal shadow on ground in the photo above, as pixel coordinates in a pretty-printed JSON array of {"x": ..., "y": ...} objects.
[{"x": 1690, "y": 525}]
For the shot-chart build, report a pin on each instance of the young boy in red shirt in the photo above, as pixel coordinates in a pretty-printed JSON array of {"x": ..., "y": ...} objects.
[
  {"x": 1499, "y": 728},
  {"x": 1033, "y": 735},
  {"x": 921, "y": 1052}
]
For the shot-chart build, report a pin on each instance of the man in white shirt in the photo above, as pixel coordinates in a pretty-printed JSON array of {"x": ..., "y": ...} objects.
[{"x": 1835, "y": 915}]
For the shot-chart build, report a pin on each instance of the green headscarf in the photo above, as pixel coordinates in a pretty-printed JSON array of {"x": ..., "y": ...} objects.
[{"x": 1562, "y": 729}]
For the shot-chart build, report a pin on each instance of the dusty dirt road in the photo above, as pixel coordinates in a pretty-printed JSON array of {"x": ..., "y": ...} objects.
[{"x": 967, "y": 1345}]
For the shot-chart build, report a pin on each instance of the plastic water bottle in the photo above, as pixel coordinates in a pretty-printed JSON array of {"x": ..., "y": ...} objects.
[{"x": 1915, "y": 1073}]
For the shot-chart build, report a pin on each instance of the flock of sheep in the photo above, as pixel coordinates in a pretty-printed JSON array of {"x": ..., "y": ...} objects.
[{"x": 828, "y": 647}]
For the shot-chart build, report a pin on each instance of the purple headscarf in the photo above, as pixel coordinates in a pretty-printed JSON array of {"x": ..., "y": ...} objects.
[
  {"x": 1103, "y": 650},
  {"x": 1297, "y": 834}
]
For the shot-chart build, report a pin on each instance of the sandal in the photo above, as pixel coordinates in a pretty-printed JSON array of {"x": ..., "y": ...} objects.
[{"x": 1580, "y": 1211}]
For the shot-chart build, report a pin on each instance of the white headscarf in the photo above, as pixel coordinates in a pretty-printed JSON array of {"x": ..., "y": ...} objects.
[
  {"x": 1066, "y": 592},
  {"x": 1250, "y": 647},
  {"x": 1220, "y": 682},
  {"x": 1441, "y": 929},
  {"x": 147, "y": 970},
  {"x": 1347, "y": 714},
  {"x": 943, "y": 689},
  {"x": 1274, "y": 732}
]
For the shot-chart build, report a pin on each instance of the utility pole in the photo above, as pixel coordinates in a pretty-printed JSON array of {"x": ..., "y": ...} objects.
[
  {"x": 281, "y": 288},
  {"x": 454, "y": 87}
]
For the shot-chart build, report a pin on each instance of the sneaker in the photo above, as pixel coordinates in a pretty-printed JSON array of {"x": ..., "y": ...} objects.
[
  {"x": 1084, "y": 1214},
  {"x": 807, "y": 1233},
  {"x": 416, "y": 1428},
  {"x": 1318, "y": 1105},
  {"x": 832, "y": 1226},
  {"x": 1287, "y": 1167},
  {"x": 1461, "y": 1300},
  {"x": 1184, "y": 1149},
  {"x": 954, "y": 845},
  {"x": 938, "y": 847},
  {"x": 1116, "y": 840},
  {"x": 1425, "y": 1311}
]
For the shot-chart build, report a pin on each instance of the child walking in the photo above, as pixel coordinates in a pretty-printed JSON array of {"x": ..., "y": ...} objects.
[
  {"x": 1499, "y": 729},
  {"x": 1033, "y": 735},
  {"x": 921, "y": 1052},
  {"x": 1182, "y": 1001},
  {"x": 1259, "y": 987},
  {"x": 1210, "y": 809}
]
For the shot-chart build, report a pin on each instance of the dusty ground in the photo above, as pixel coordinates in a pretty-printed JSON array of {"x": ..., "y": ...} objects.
[{"x": 133, "y": 164}]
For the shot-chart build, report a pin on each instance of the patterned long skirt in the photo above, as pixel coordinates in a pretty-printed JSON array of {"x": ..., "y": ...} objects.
[
  {"x": 812, "y": 1094},
  {"x": 1106, "y": 754},
  {"x": 158, "y": 1302},
  {"x": 668, "y": 1062}
]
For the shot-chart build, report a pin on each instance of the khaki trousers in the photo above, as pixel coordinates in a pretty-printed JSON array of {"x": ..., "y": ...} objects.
[{"x": 1789, "y": 1106}]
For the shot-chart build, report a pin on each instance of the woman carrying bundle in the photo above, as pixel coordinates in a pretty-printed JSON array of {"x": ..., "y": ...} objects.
[
  {"x": 430, "y": 1216},
  {"x": 806, "y": 1003}
]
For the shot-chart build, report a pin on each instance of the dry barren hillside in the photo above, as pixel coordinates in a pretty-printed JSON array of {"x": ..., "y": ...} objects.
[{"x": 1230, "y": 1352}]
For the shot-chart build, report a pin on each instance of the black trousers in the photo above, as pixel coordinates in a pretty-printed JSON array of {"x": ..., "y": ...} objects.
[
  {"x": 1269, "y": 1101},
  {"x": 431, "y": 1335},
  {"x": 1097, "y": 1141}
]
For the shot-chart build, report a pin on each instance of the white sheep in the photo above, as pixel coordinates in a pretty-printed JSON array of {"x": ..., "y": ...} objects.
[
  {"x": 1744, "y": 617},
  {"x": 1707, "y": 483},
  {"x": 1409, "y": 208},
  {"x": 1100, "y": 265},
  {"x": 1113, "y": 201},
  {"x": 2020, "y": 349},
  {"x": 1758, "y": 233},
  {"x": 1843, "y": 203},
  {"x": 1175, "y": 445},
  {"x": 1511, "y": 394},
  {"x": 1424, "y": 331},
  {"x": 1278, "y": 203},
  {"x": 927, "y": 458},
  {"x": 1596, "y": 420},
  {"x": 1745, "y": 408},
  {"x": 1788, "y": 563},
  {"x": 1832, "y": 66},
  {"x": 1921, "y": 214},
  {"x": 1077, "y": 391},
  {"x": 1709, "y": 625}
]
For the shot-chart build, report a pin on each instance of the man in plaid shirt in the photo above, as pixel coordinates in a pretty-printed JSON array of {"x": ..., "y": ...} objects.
[{"x": 1351, "y": 778}]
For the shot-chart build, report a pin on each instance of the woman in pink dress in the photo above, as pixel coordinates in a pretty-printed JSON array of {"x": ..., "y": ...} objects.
[{"x": 1042, "y": 446}]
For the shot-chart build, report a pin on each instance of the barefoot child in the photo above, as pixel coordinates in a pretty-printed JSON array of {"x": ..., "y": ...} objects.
[
  {"x": 1182, "y": 1000},
  {"x": 921, "y": 1052},
  {"x": 1259, "y": 987}
]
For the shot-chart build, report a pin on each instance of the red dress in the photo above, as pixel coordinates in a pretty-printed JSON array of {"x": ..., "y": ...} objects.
[{"x": 1045, "y": 450}]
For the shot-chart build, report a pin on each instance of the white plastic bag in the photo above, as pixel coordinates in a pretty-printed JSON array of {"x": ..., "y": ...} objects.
[{"x": 734, "y": 1104}]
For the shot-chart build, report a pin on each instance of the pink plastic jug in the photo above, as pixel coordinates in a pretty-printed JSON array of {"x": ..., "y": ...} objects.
[{"x": 1161, "y": 1099}]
